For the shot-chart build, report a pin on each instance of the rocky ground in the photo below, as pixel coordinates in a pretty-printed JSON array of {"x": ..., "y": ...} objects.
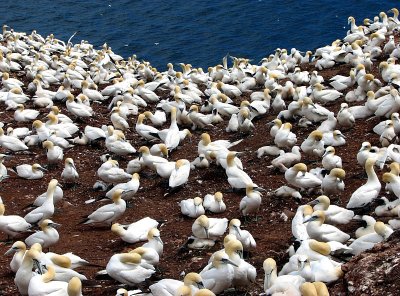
[{"x": 372, "y": 273}]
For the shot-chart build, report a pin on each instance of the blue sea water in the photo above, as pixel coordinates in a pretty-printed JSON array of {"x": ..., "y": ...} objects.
[{"x": 192, "y": 31}]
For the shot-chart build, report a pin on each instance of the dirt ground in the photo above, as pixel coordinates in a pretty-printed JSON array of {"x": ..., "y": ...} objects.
[{"x": 96, "y": 243}]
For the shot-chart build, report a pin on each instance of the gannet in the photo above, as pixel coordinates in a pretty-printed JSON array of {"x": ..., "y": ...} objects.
[
  {"x": 149, "y": 255},
  {"x": 286, "y": 192},
  {"x": 313, "y": 145},
  {"x": 92, "y": 94},
  {"x": 146, "y": 131},
  {"x": 299, "y": 228},
  {"x": 158, "y": 118},
  {"x": 127, "y": 268},
  {"x": 242, "y": 235},
  {"x": 214, "y": 203},
  {"x": 10, "y": 83},
  {"x": 244, "y": 272},
  {"x": 159, "y": 150},
  {"x": 199, "y": 162},
  {"x": 210, "y": 228},
  {"x": 367, "y": 151},
  {"x": 220, "y": 158},
  {"x": 22, "y": 115},
  {"x": 169, "y": 287},
  {"x": 320, "y": 270},
  {"x": 237, "y": 178},
  {"x": 136, "y": 231},
  {"x": 79, "y": 110},
  {"x": 111, "y": 173},
  {"x": 63, "y": 129},
  {"x": 333, "y": 214},
  {"x": 340, "y": 82},
  {"x": 273, "y": 283},
  {"x": 284, "y": 138},
  {"x": 148, "y": 159},
  {"x": 345, "y": 117},
  {"x": 218, "y": 275},
  {"x": 328, "y": 124},
  {"x": 46, "y": 209},
  {"x": 180, "y": 175},
  {"x": 386, "y": 207},
  {"x": 392, "y": 182},
  {"x": 278, "y": 104},
  {"x": 394, "y": 118},
  {"x": 41, "y": 129},
  {"x": 198, "y": 119},
  {"x": 305, "y": 180},
  {"x": 313, "y": 111},
  {"x": 333, "y": 182},
  {"x": 395, "y": 223},
  {"x": 316, "y": 229},
  {"x": 69, "y": 173},
  {"x": 12, "y": 225},
  {"x": 205, "y": 145},
  {"x": 366, "y": 242},
  {"x": 268, "y": 150},
  {"x": 285, "y": 160},
  {"x": 192, "y": 207},
  {"x": 275, "y": 124},
  {"x": 335, "y": 138},
  {"x": 25, "y": 273},
  {"x": 11, "y": 143},
  {"x": 165, "y": 169},
  {"x": 367, "y": 227},
  {"x": 74, "y": 287},
  {"x": 61, "y": 263},
  {"x": 224, "y": 109},
  {"x": 251, "y": 202},
  {"x": 94, "y": 134},
  {"x": 154, "y": 241},
  {"x": 120, "y": 146},
  {"x": 330, "y": 160},
  {"x": 108, "y": 213},
  {"x": 18, "y": 249},
  {"x": 118, "y": 120},
  {"x": 54, "y": 153},
  {"x": 47, "y": 237},
  {"x": 146, "y": 94},
  {"x": 130, "y": 188},
  {"x": 366, "y": 193},
  {"x": 57, "y": 196}
]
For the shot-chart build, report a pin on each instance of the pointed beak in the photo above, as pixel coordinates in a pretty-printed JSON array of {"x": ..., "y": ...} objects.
[
  {"x": 312, "y": 218},
  {"x": 206, "y": 230},
  {"x": 240, "y": 254},
  {"x": 259, "y": 189},
  {"x": 313, "y": 202},
  {"x": 38, "y": 266},
  {"x": 10, "y": 251},
  {"x": 238, "y": 230},
  {"x": 55, "y": 225},
  {"x": 200, "y": 285},
  {"x": 228, "y": 261},
  {"x": 159, "y": 239},
  {"x": 42, "y": 169}
]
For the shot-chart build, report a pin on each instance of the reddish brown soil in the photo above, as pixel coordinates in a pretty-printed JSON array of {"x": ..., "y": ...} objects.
[{"x": 97, "y": 243}]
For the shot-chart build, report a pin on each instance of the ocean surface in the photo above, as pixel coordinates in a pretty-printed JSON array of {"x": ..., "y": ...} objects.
[{"x": 192, "y": 31}]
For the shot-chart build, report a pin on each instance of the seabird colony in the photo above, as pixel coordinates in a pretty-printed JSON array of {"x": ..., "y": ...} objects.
[{"x": 67, "y": 83}]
